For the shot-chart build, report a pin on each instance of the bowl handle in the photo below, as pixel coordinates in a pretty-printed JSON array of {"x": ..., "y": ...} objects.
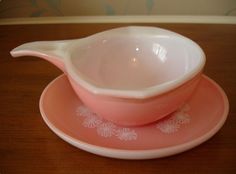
[{"x": 52, "y": 51}]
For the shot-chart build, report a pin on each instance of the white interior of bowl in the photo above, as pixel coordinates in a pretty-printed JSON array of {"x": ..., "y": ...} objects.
[{"x": 136, "y": 59}]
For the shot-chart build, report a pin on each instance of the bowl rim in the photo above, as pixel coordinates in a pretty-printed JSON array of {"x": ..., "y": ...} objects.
[{"x": 140, "y": 93}]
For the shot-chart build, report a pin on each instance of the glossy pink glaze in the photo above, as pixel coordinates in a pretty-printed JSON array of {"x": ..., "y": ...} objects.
[
  {"x": 133, "y": 112},
  {"x": 206, "y": 113},
  {"x": 131, "y": 75}
]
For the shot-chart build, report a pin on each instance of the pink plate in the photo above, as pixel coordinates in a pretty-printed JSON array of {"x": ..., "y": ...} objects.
[{"x": 195, "y": 122}]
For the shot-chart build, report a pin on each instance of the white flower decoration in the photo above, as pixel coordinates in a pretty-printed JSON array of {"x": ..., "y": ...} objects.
[
  {"x": 83, "y": 111},
  {"x": 126, "y": 134},
  {"x": 172, "y": 124},
  {"x": 168, "y": 126},
  {"x": 91, "y": 121},
  {"x": 106, "y": 129},
  {"x": 181, "y": 118}
]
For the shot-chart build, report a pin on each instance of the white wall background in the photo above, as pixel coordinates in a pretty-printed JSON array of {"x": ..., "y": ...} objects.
[{"x": 39, "y": 8}]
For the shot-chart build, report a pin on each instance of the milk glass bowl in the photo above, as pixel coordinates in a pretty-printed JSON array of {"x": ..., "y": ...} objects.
[{"x": 131, "y": 75}]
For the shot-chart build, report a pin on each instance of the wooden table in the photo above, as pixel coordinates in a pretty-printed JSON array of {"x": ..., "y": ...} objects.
[{"x": 28, "y": 146}]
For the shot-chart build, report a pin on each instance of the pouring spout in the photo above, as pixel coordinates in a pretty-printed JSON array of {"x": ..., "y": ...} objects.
[{"x": 52, "y": 51}]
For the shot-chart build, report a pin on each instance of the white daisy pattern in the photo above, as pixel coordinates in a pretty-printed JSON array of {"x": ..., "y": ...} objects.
[
  {"x": 168, "y": 126},
  {"x": 91, "y": 121},
  {"x": 174, "y": 122},
  {"x": 126, "y": 134},
  {"x": 106, "y": 129},
  {"x": 181, "y": 118},
  {"x": 83, "y": 111}
]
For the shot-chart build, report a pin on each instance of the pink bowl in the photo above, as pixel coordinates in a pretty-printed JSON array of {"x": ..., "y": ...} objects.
[{"x": 130, "y": 75}]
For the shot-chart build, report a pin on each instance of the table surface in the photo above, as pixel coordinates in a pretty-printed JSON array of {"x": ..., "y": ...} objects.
[{"x": 28, "y": 146}]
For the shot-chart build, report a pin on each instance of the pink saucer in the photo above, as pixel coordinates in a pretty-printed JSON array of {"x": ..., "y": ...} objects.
[{"x": 197, "y": 121}]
